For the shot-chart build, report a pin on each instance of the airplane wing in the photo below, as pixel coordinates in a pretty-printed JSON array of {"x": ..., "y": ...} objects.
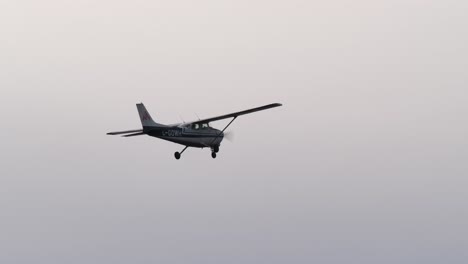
[
  {"x": 236, "y": 114},
  {"x": 125, "y": 132}
]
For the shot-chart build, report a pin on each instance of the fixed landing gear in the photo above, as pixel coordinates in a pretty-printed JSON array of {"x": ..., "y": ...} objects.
[
  {"x": 214, "y": 150},
  {"x": 177, "y": 154}
]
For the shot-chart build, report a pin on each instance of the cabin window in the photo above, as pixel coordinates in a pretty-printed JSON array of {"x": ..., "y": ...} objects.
[
  {"x": 205, "y": 125},
  {"x": 196, "y": 126}
]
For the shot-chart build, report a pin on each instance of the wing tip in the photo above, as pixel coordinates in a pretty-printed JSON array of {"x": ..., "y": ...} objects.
[{"x": 274, "y": 105}]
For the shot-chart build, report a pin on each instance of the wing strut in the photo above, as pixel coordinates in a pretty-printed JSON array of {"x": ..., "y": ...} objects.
[{"x": 219, "y": 134}]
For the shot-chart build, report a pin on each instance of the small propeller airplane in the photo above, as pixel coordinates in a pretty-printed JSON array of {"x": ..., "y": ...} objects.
[{"x": 197, "y": 134}]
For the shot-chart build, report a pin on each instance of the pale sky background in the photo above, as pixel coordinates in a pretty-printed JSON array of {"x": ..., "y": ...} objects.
[{"x": 366, "y": 162}]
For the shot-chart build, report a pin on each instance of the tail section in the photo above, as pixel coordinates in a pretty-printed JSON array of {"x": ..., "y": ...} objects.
[{"x": 145, "y": 117}]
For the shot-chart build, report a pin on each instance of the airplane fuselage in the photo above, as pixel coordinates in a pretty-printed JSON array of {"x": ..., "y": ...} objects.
[{"x": 206, "y": 137}]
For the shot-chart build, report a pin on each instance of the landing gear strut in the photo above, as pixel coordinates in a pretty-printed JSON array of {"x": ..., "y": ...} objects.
[{"x": 177, "y": 154}]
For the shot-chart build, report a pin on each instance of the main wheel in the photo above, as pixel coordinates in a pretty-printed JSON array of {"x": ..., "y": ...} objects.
[
  {"x": 213, "y": 155},
  {"x": 177, "y": 155}
]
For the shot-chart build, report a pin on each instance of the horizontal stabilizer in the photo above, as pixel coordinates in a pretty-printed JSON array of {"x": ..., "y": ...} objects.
[
  {"x": 125, "y": 132},
  {"x": 135, "y": 134}
]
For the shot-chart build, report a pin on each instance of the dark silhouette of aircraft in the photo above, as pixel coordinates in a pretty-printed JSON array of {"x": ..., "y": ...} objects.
[{"x": 197, "y": 134}]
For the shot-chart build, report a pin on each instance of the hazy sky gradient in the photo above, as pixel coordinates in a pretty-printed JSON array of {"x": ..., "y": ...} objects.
[{"x": 366, "y": 162}]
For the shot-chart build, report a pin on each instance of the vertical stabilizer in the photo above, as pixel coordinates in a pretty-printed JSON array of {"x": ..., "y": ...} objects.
[{"x": 145, "y": 117}]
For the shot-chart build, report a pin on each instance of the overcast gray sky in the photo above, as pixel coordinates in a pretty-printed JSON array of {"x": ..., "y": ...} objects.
[{"x": 366, "y": 162}]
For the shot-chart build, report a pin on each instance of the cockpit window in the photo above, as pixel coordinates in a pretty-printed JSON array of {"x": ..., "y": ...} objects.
[{"x": 200, "y": 126}]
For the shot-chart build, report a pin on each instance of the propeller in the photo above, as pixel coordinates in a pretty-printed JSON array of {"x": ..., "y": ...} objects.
[{"x": 229, "y": 135}]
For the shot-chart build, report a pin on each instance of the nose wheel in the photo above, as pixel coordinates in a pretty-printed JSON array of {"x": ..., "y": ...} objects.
[{"x": 214, "y": 150}]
